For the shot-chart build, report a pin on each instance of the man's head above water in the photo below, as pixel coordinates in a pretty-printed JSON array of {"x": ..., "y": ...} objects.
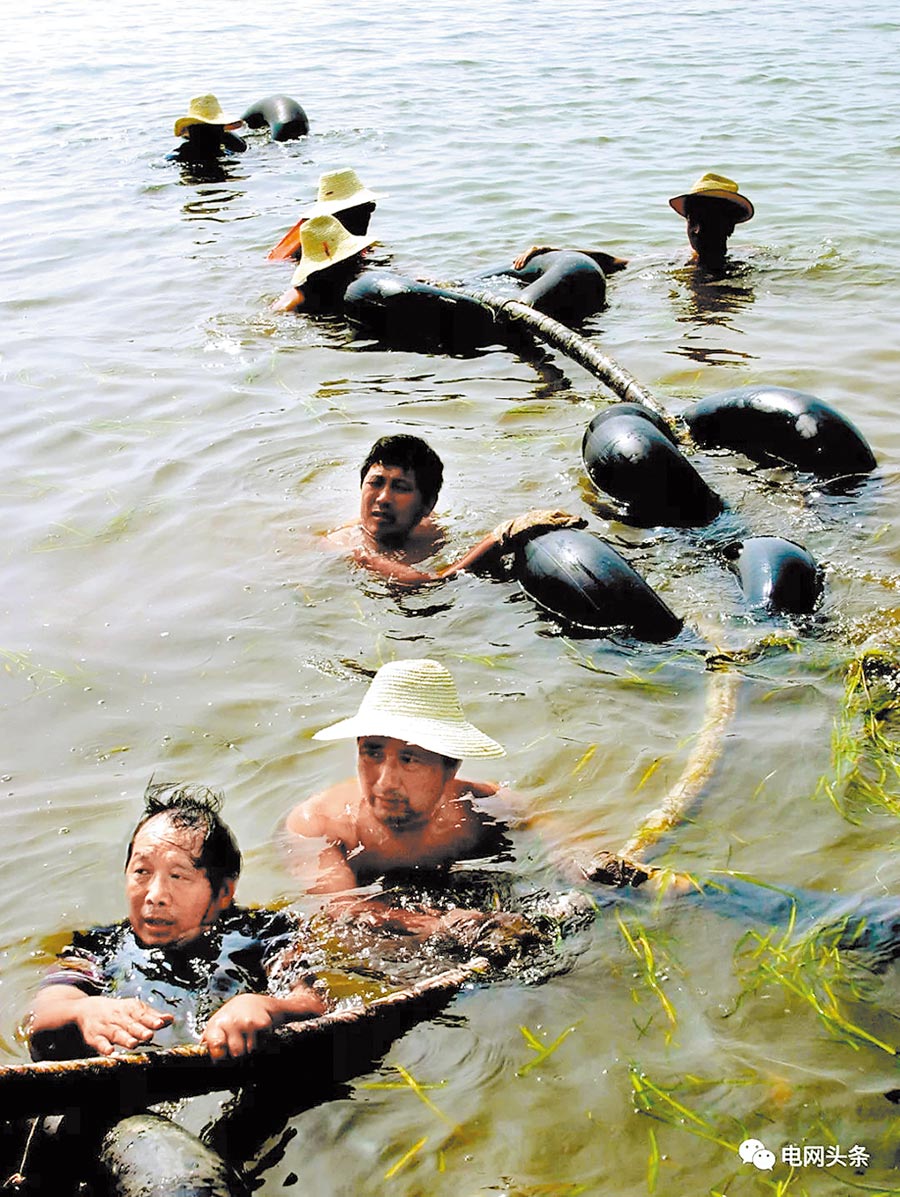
[
  {"x": 400, "y": 481},
  {"x": 711, "y": 210},
  {"x": 182, "y": 865}
]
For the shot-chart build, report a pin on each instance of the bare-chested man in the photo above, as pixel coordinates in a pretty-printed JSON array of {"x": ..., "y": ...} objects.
[
  {"x": 406, "y": 809},
  {"x": 395, "y": 532}
]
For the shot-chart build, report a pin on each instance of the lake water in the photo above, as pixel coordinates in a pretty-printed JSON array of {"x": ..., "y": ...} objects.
[{"x": 170, "y": 449}]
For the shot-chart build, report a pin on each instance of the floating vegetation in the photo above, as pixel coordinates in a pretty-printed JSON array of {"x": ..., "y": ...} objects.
[
  {"x": 813, "y": 969},
  {"x": 542, "y": 1050},
  {"x": 864, "y": 743},
  {"x": 653, "y": 973},
  {"x": 42, "y": 677}
]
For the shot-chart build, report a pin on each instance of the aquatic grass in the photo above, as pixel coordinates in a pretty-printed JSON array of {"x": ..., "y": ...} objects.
[
  {"x": 651, "y": 972},
  {"x": 67, "y": 536},
  {"x": 865, "y": 749},
  {"x": 409, "y": 1083},
  {"x": 42, "y": 677},
  {"x": 813, "y": 969},
  {"x": 543, "y": 1050},
  {"x": 659, "y": 1102}
]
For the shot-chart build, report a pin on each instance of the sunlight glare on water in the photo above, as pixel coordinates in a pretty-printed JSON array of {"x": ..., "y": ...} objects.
[{"x": 171, "y": 449}]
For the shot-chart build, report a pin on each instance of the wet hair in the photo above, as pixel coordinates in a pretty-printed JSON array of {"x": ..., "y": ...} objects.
[
  {"x": 409, "y": 453},
  {"x": 195, "y": 808}
]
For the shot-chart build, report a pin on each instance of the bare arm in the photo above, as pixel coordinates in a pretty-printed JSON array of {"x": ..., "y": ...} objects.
[
  {"x": 504, "y": 539},
  {"x": 607, "y": 263},
  {"x": 104, "y": 1023},
  {"x": 236, "y": 1027}
]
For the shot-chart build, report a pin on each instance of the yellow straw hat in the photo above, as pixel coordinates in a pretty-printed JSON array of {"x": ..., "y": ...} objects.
[
  {"x": 323, "y": 242},
  {"x": 339, "y": 190},
  {"x": 205, "y": 110},
  {"x": 716, "y": 187},
  {"x": 415, "y": 701}
]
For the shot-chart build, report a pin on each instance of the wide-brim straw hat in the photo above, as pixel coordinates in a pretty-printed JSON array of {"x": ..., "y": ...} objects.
[
  {"x": 716, "y": 187},
  {"x": 205, "y": 110},
  {"x": 415, "y": 701},
  {"x": 339, "y": 190},
  {"x": 324, "y": 241}
]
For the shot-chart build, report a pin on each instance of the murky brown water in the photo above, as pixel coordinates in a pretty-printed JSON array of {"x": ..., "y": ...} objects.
[{"x": 169, "y": 448}]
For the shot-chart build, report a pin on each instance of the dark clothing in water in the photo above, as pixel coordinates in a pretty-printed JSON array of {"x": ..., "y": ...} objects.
[{"x": 240, "y": 953}]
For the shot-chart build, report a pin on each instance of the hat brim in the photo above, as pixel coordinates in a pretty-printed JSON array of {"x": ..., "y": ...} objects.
[
  {"x": 329, "y": 207},
  {"x": 740, "y": 201},
  {"x": 456, "y": 739},
  {"x": 348, "y": 248},
  {"x": 184, "y": 122}
]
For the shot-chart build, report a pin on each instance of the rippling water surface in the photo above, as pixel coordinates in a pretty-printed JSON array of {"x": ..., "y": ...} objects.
[{"x": 170, "y": 449}]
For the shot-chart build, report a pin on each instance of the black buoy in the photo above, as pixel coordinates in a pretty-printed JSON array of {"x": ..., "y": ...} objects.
[
  {"x": 779, "y": 424},
  {"x": 776, "y": 575},
  {"x": 586, "y": 584},
  {"x": 630, "y": 453}
]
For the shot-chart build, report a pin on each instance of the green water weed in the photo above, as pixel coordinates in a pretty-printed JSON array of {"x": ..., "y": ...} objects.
[
  {"x": 865, "y": 746},
  {"x": 543, "y": 1050},
  {"x": 813, "y": 969},
  {"x": 653, "y": 971}
]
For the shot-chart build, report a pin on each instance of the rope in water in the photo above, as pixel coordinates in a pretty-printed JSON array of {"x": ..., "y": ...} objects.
[{"x": 723, "y": 685}]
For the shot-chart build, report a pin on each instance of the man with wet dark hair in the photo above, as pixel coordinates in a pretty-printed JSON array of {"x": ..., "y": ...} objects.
[
  {"x": 400, "y": 481},
  {"x": 186, "y": 963}
]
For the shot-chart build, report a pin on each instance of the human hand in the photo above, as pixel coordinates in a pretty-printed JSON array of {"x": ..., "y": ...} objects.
[
  {"x": 511, "y": 531},
  {"x": 235, "y": 1028},
  {"x": 107, "y": 1023},
  {"x": 522, "y": 259}
]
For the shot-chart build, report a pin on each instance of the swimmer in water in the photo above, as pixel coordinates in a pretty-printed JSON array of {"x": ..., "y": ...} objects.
[
  {"x": 341, "y": 194},
  {"x": 207, "y": 132},
  {"x": 406, "y": 809},
  {"x": 711, "y": 209},
  {"x": 400, "y": 480},
  {"x": 184, "y": 953},
  {"x": 330, "y": 258}
]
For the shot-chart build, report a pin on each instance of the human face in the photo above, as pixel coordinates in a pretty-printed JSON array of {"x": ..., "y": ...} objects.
[
  {"x": 170, "y": 899},
  {"x": 710, "y": 222},
  {"x": 401, "y": 783},
  {"x": 391, "y": 503}
]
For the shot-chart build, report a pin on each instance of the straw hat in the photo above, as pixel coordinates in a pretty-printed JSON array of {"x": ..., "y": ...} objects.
[
  {"x": 716, "y": 187},
  {"x": 323, "y": 242},
  {"x": 205, "y": 110},
  {"x": 339, "y": 190},
  {"x": 415, "y": 701}
]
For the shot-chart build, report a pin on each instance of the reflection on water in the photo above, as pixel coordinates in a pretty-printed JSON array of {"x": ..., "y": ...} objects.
[
  {"x": 200, "y": 636},
  {"x": 712, "y": 299}
]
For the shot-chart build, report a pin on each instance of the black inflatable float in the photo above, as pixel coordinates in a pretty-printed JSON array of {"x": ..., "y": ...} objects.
[
  {"x": 630, "y": 453},
  {"x": 584, "y": 582},
  {"x": 407, "y": 314},
  {"x": 150, "y": 1156},
  {"x": 776, "y": 575},
  {"x": 561, "y": 283},
  {"x": 285, "y": 118},
  {"x": 782, "y": 425}
]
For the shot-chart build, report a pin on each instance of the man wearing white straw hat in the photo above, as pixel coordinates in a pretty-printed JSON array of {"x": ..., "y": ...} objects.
[
  {"x": 342, "y": 194},
  {"x": 406, "y": 809},
  {"x": 206, "y": 130},
  {"x": 711, "y": 209}
]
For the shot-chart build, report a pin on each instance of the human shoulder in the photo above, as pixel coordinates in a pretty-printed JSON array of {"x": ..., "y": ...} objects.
[{"x": 331, "y": 813}]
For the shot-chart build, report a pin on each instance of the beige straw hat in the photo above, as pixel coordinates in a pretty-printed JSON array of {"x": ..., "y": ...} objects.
[
  {"x": 205, "y": 110},
  {"x": 323, "y": 242},
  {"x": 716, "y": 187},
  {"x": 415, "y": 701},
  {"x": 339, "y": 190}
]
